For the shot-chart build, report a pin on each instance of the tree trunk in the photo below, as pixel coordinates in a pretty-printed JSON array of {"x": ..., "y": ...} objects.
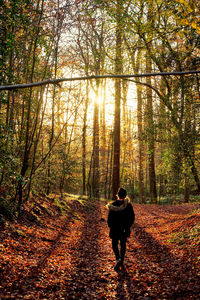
[
  {"x": 118, "y": 70},
  {"x": 103, "y": 141},
  {"x": 107, "y": 177},
  {"x": 140, "y": 133},
  {"x": 187, "y": 190},
  {"x": 84, "y": 142},
  {"x": 150, "y": 121},
  {"x": 96, "y": 173},
  {"x": 150, "y": 136},
  {"x": 111, "y": 166}
]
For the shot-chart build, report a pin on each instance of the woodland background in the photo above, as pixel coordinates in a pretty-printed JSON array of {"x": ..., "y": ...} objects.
[{"x": 89, "y": 137}]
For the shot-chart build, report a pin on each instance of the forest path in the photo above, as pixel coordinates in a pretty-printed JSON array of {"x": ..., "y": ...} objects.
[{"x": 78, "y": 263}]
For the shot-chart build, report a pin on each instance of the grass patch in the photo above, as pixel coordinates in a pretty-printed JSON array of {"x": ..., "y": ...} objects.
[
  {"x": 61, "y": 205},
  {"x": 196, "y": 211},
  {"x": 187, "y": 236}
]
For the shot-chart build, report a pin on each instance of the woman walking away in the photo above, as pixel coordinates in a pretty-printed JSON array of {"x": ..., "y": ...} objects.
[{"x": 120, "y": 218}]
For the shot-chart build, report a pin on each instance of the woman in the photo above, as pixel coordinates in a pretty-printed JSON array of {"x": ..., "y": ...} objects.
[{"x": 120, "y": 218}]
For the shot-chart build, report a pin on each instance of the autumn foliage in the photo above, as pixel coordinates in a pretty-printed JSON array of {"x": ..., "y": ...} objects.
[{"x": 60, "y": 249}]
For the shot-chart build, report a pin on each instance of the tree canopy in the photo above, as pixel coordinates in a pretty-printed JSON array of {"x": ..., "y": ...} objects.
[{"x": 84, "y": 107}]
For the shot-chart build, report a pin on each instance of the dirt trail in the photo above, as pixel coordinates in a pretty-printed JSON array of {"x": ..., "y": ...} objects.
[{"x": 79, "y": 263}]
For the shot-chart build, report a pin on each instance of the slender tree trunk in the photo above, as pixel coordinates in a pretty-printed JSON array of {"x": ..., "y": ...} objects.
[
  {"x": 124, "y": 106},
  {"x": 118, "y": 70},
  {"x": 125, "y": 130},
  {"x": 84, "y": 140},
  {"x": 150, "y": 121},
  {"x": 111, "y": 167},
  {"x": 107, "y": 181},
  {"x": 140, "y": 134},
  {"x": 96, "y": 173},
  {"x": 51, "y": 139},
  {"x": 103, "y": 140},
  {"x": 187, "y": 190},
  {"x": 89, "y": 185},
  {"x": 150, "y": 136},
  {"x": 53, "y": 104}
]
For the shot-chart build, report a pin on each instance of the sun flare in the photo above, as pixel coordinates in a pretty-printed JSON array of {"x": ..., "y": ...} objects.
[{"x": 94, "y": 98}]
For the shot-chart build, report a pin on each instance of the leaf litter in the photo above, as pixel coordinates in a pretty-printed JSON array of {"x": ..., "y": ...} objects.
[{"x": 69, "y": 256}]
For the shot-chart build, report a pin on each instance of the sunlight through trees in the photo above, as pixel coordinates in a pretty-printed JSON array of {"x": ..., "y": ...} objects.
[{"x": 90, "y": 137}]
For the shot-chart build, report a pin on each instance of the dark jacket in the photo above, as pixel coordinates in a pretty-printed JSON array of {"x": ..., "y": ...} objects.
[{"x": 120, "y": 218}]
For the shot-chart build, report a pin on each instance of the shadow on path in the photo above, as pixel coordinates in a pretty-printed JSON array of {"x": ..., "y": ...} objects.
[
  {"x": 153, "y": 272},
  {"x": 27, "y": 280},
  {"x": 86, "y": 280},
  {"x": 174, "y": 276}
]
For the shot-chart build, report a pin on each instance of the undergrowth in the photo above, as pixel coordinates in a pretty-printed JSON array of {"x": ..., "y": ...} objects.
[{"x": 190, "y": 234}]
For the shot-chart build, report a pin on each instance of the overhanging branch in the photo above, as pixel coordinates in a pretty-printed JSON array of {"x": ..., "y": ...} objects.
[{"x": 111, "y": 76}]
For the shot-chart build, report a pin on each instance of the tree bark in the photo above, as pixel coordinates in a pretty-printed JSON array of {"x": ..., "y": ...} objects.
[
  {"x": 118, "y": 70},
  {"x": 96, "y": 173},
  {"x": 149, "y": 116},
  {"x": 84, "y": 141},
  {"x": 103, "y": 165},
  {"x": 140, "y": 134}
]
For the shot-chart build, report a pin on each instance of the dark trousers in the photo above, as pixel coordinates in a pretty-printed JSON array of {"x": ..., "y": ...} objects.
[{"x": 115, "y": 243}]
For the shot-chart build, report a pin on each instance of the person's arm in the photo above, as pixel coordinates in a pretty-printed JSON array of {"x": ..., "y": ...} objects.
[
  {"x": 109, "y": 220},
  {"x": 131, "y": 215}
]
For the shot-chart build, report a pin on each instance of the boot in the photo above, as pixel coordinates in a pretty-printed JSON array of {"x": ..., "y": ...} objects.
[{"x": 118, "y": 264}]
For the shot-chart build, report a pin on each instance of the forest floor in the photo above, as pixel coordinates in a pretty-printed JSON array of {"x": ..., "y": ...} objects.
[{"x": 61, "y": 250}]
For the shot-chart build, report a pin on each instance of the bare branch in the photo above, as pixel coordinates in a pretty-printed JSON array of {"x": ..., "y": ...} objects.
[{"x": 57, "y": 81}]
